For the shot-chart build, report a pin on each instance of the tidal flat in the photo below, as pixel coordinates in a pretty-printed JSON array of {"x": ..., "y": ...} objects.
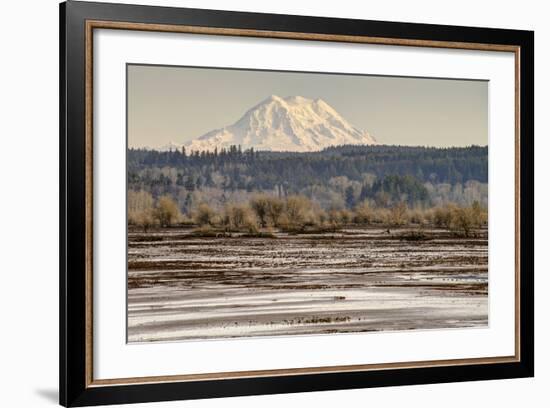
[{"x": 182, "y": 286}]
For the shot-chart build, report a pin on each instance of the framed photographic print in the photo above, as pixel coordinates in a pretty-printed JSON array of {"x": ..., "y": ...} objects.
[{"x": 256, "y": 203}]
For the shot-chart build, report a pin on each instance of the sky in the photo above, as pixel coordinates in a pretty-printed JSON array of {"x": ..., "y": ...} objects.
[{"x": 178, "y": 104}]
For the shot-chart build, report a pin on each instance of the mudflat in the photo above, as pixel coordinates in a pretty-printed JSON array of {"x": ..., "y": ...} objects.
[{"x": 182, "y": 286}]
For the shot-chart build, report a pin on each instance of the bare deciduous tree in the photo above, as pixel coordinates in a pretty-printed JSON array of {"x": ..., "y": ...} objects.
[
  {"x": 240, "y": 216},
  {"x": 260, "y": 205},
  {"x": 204, "y": 215},
  {"x": 167, "y": 211},
  {"x": 296, "y": 209},
  {"x": 274, "y": 210}
]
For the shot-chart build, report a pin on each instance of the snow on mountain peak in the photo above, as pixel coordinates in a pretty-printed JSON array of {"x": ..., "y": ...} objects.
[
  {"x": 293, "y": 123},
  {"x": 169, "y": 147}
]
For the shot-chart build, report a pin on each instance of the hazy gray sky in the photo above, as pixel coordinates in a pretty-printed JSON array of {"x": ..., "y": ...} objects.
[{"x": 179, "y": 104}]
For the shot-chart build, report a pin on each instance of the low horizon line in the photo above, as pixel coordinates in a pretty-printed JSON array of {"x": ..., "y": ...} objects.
[{"x": 158, "y": 148}]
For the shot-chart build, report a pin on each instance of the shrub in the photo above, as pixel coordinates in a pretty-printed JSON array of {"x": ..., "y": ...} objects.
[
  {"x": 139, "y": 201},
  {"x": 296, "y": 210},
  {"x": 267, "y": 209},
  {"x": 428, "y": 216},
  {"x": 204, "y": 215},
  {"x": 462, "y": 220},
  {"x": 345, "y": 216},
  {"x": 334, "y": 217},
  {"x": 381, "y": 216},
  {"x": 322, "y": 217},
  {"x": 398, "y": 214},
  {"x": 260, "y": 205},
  {"x": 167, "y": 211},
  {"x": 442, "y": 216},
  {"x": 363, "y": 213},
  {"x": 144, "y": 219},
  {"x": 275, "y": 209},
  {"x": 239, "y": 217},
  {"x": 417, "y": 216},
  {"x": 479, "y": 214},
  {"x": 141, "y": 211}
]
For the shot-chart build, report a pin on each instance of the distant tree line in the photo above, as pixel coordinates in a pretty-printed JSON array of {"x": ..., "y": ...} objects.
[
  {"x": 337, "y": 177},
  {"x": 296, "y": 170},
  {"x": 296, "y": 214}
]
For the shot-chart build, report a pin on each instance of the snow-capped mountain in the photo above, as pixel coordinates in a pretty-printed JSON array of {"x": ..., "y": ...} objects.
[
  {"x": 170, "y": 146},
  {"x": 293, "y": 123}
]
